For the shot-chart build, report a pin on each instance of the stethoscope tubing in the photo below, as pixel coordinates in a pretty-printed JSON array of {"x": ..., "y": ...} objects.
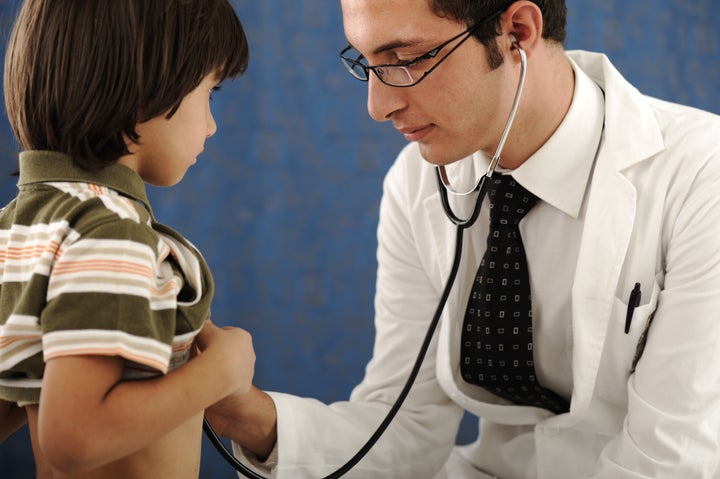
[
  {"x": 462, "y": 224},
  {"x": 247, "y": 472}
]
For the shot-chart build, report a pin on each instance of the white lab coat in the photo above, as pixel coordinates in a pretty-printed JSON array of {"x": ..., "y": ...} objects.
[{"x": 653, "y": 216}]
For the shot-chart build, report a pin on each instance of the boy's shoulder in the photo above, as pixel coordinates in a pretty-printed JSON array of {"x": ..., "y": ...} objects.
[{"x": 101, "y": 201}]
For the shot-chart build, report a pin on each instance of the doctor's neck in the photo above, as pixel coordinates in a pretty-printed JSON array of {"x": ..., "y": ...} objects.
[{"x": 548, "y": 93}]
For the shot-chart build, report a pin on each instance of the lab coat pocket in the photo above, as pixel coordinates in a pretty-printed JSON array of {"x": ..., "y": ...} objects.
[{"x": 623, "y": 350}]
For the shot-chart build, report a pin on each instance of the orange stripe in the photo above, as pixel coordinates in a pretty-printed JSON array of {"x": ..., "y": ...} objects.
[
  {"x": 168, "y": 287},
  {"x": 97, "y": 189},
  {"x": 184, "y": 346},
  {"x": 101, "y": 265},
  {"x": 30, "y": 250},
  {"x": 26, "y": 252},
  {"x": 6, "y": 341}
]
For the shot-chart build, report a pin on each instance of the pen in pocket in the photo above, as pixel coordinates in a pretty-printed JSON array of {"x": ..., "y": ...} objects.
[{"x": 633, "y": 303}]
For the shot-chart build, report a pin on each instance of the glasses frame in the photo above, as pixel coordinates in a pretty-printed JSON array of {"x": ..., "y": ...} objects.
[{"x": 349, "y": 63}]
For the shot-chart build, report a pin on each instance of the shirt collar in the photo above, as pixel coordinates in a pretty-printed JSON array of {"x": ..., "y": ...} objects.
[
  {"x": 559, "y": 171},
  {"x": 47, "y": 166}
]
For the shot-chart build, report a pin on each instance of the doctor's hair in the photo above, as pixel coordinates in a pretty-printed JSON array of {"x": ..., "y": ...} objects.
[
  {"x": 81, "y": 74},
  {"x": 554, "y": 14}
]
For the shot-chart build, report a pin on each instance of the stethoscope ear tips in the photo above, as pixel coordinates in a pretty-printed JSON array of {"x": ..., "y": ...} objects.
[{"x": 512, "y": 38}]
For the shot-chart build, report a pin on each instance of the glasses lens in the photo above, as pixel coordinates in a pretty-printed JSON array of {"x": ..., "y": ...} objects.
[
  {"x": 356, "y": 64},
  {"x": 355, "y": 69},
  {"x": 394, "y": 75},
  {"x": 353, "y": 61}
]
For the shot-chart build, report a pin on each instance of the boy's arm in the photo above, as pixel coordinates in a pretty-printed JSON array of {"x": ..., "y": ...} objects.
[
  {"x": 83, "y": 398},
  {"x": 11, "y": 418}
]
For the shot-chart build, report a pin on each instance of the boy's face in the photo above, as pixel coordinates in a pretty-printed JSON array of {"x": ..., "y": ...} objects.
[
  {"x": 459, "y": 108},
  {"x": 167, "y": 147}
]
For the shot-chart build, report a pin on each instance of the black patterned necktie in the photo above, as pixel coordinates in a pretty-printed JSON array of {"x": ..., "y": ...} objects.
[{"x": 497, "y": 340}]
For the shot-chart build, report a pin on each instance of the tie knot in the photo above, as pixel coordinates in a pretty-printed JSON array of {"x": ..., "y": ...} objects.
[{"x": 509, "y": 201}]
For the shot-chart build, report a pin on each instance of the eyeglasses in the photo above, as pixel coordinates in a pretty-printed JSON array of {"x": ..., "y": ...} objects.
[{"x": 403, "y": 74}]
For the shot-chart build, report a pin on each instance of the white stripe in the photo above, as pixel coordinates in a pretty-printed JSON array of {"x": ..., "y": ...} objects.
[
  {"x": 14, "y": 359},
  {"x": 60, "y": 342},
  {"x": 112, "y": 282},
  {"x": 136, "y": 283},
  {"x": 112, "y": 249},
  {"x": 78, "y": 190},
  {"x": 189, "y": 264},
  {"x": 114, "y": 337},
  {"x": 181, "y": 338},
  {"x": 93, "y": 282},
  {"x": 121, "y": 206},
  {"x": 21, "y": 383},
  {"x": 20, "y": 349},
  {"x": 22, "y": 320},
  {"x": 39, "y": 236}
]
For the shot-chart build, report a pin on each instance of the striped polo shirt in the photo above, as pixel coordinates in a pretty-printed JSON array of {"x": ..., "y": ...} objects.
[{"x": 86, "y": 270}]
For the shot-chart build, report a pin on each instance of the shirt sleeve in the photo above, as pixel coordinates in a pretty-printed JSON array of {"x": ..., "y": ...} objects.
[{"x": 112, "y": 292}]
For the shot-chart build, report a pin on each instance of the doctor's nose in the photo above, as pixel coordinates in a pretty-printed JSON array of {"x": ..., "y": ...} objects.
[{"x": 383, "y": 100}]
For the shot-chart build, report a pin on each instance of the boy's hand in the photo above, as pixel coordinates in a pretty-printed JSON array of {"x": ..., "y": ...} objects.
[
  {"x": 247, "y": 415},
  {"x": 231, "y": 352}
]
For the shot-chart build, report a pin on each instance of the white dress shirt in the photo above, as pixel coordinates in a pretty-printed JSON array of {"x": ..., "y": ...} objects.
[{"x": 558, "y": 174}]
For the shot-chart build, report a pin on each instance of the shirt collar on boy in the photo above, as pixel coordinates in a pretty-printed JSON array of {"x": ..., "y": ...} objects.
[{"x": 47, "y": 166}]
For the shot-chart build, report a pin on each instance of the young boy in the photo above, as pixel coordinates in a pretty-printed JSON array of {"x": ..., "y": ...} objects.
[{"x": 99, "y": 304}]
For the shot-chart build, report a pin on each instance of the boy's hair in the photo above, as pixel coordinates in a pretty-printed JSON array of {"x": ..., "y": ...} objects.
[
  {"x": 471, "y": 12},
  {"x": 80, "y": 74}
]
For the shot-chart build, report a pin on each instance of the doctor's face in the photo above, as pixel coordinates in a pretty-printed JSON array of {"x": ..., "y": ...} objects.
[{"x": 460, "y": 107}]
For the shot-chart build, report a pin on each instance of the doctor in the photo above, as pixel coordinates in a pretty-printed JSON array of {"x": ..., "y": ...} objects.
[{"x": 629, "y": 199}]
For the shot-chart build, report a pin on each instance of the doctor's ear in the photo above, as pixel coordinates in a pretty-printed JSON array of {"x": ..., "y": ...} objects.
[
  {"x": 523, "y": 22},
  {"x": 514, "y": 44}
]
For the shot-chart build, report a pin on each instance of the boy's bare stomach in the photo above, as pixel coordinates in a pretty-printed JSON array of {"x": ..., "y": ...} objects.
[{"x": 176, "y": 455}]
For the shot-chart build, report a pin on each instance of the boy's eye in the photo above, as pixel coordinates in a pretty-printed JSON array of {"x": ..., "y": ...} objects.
[{"x": 213, "y": 90}]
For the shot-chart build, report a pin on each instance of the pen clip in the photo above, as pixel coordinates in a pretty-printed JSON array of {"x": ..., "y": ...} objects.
[{"x": 633, "y": 302}]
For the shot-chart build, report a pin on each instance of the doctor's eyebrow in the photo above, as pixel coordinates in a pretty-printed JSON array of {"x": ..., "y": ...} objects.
[{"x": 393, "y": 45}]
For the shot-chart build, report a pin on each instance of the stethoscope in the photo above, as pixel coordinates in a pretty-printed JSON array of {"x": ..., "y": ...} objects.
[{"x": 462, "y": 224}]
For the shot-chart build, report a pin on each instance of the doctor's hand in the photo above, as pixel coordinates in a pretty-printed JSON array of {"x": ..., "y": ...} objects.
[
  {"x": 249, "y": 419},
  {"x": 230, "y": 352}
]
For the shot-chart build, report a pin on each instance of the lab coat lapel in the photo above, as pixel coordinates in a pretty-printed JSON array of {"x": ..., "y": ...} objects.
[
  {"x": 607, "y": 232},
  {"x": 610, "y": 217},
  {"x": 606, "y": 235}
]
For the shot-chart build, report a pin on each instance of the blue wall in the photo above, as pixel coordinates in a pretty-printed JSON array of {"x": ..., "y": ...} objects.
[{"x": 284, "y": 201}]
